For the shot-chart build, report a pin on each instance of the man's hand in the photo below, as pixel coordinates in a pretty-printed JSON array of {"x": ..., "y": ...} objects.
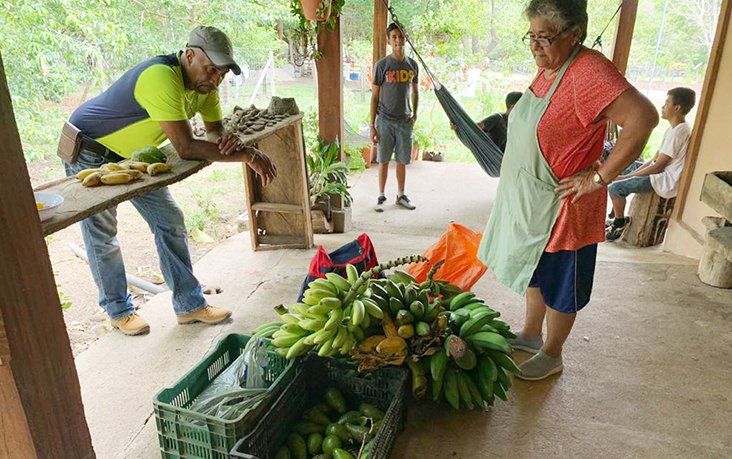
[
  {"x": 229, "y": 143},
  {"x": 621, "y": 177},
  {"x": 374, "y": 135},
  {"x": 262, "y": 166},
  {"x": 413, "y": 120},
  {"x": 453, "y": 126}
]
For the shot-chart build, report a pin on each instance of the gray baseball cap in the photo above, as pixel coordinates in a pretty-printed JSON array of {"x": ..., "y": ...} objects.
[{"x": 216, "y": 45}]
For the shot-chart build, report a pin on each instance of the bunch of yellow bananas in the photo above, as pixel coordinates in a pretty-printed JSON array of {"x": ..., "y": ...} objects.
[
  {"x": 323, "y": 320},
  {"x": 119, "y": 173}
]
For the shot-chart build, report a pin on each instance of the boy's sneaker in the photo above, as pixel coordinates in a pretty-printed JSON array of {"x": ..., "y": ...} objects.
[
  {"x": 380, "y": 204},
  {"x": 615, "y": 230},
  {"x": 403, "y": 201}
]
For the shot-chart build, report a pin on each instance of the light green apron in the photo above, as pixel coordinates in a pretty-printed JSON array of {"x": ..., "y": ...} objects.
[{"x": 526, "y": 206}]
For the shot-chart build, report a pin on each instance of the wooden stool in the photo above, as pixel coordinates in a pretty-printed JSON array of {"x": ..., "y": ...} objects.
[
  {"x": 715, "y": 266},
  {"x": 649, "y": 214}
]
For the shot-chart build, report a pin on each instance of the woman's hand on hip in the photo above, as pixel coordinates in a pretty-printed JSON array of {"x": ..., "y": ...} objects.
[{"x": 578, "y": 185}]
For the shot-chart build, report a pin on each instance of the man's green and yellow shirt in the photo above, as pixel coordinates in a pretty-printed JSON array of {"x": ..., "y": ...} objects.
[{"x": 125, "y": 117}]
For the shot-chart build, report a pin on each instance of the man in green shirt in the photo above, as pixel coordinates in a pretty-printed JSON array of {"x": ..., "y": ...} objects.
[{"x": 150, "y": 103}]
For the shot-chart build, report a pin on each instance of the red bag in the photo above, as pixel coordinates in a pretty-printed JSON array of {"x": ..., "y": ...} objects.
[
  {"x": 360, "y": 253},
  {"x": 458, "y": 246}
]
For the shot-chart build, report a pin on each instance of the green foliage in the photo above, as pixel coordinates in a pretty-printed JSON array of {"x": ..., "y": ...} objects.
[
  {"x": 223, "y": 175},
  {"x": 310, "y": 129},
  {"x": 355, "y": 160},
  {"x": 63, "y": 298},
  {"x": 422, "y": 138},
  {"x": 205, "y": 210},
  {"x": 326, "y": 174}
]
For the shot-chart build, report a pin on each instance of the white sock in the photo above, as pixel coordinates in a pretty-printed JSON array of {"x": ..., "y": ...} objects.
[
  {"x": 381, "y": 195},
  {"x": 400, "y": 194}
]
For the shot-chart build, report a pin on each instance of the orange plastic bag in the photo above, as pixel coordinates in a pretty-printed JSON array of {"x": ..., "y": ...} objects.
[{"x": 458, "y": 246}]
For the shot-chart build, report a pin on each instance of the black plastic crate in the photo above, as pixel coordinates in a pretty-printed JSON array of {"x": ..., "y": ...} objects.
[{"x": 385, "y": 388}]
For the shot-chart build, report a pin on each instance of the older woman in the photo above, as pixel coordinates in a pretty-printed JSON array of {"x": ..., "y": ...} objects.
[{"x": 542, "y": 235}]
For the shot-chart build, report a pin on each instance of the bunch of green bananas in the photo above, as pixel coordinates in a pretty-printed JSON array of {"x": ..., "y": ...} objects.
[
  {"x": 333, "y": 316},
  {"x": 406, "y": 301},
  {"x": 474, "y": 367}
]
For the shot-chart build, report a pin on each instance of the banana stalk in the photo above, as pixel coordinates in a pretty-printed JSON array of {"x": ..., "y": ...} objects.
[{"x": 366, "y": 275}]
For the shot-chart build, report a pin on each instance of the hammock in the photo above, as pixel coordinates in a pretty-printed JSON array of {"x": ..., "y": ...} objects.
[{"x": 486, "y": 152}]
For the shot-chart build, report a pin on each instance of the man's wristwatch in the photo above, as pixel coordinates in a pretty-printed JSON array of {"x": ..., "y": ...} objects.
[{"x": 597, "y": 178}]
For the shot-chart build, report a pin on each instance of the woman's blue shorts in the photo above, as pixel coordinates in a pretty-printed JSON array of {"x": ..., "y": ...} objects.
[{"x": 565, "y": 278}]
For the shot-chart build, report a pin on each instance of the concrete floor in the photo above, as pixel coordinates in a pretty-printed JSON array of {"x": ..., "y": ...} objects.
[{"x": 647, "y": 367}]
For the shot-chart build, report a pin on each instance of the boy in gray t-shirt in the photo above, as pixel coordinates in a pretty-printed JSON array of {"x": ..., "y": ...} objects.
[{"x": 395, "y": 78}]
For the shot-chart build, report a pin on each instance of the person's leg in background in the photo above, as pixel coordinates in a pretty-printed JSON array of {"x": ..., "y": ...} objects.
[
  {"x": 384, "y": 152},
  {"x": 632, "y": 168},
  {"x": 167, "y": 224},
  {"x": 403, "y": 146}
]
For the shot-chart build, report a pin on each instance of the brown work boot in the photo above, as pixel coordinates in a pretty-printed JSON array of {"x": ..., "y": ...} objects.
[
  {"x": 132, "y": 325},
  {"x": 208, "y": 315}
]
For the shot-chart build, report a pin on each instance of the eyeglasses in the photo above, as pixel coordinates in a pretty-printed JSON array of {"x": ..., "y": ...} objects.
[{"x": 544, "y": 42}]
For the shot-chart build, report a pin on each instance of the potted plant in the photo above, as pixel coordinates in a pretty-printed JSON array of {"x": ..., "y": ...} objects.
[
  {"x": 316, "y": 10},
  {"x": 366, "y": 155},
  {"x": 422, "y": 141},
  {"x": 311, "y": 15},
  {"x": 327, "y": 176}
]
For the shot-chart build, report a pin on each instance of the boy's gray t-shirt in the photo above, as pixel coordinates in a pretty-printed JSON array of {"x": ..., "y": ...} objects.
[{"x": 395, "y": 77}]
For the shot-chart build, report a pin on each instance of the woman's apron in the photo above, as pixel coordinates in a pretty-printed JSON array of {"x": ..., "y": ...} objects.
[{"x": 526, "y": 206}]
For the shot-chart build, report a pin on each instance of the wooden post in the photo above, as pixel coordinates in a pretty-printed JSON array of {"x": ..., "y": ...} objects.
[
  {"x": 381, "y": 17},
  {"x": 330, "y": 85},
  {"x": 41, "y": 413},
  {"x": 621, "y": 46},
  {"x": 330, "y": 102},
  {"x": 624, "y": 34}
]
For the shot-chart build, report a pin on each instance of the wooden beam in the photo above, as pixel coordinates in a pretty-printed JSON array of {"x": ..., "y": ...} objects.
[
  {"x": 710, "y": 80},
  {"x": 41, "y": 412},
  {"x": 624, "y": 34},
  {"x": 278, "y": 207},
  {"x": 330, "y": 84},
  {"x": 381, "y": 17}
]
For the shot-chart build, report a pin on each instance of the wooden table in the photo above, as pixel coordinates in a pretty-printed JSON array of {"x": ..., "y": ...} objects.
[{"x": 80, "y": 202}]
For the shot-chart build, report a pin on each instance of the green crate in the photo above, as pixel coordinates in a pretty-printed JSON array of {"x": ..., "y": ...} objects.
[
  {"x": 183, "y": 433},
  {"x": 386, "y": 388}
]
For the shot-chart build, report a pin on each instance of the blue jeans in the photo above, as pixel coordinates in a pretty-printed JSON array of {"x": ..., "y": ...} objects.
[
  {"x": 625, "y": 188},
  {"x": 165, "y": 220}
]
